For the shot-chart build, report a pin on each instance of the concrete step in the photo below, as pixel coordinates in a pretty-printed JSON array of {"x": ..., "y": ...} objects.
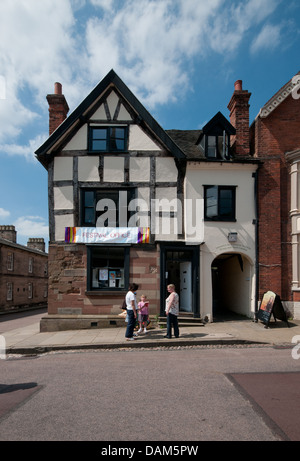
[{"x": 184, "y": 320}]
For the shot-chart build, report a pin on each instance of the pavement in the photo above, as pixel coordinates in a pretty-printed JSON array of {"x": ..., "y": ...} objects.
[{"x": 29, "y": 340}]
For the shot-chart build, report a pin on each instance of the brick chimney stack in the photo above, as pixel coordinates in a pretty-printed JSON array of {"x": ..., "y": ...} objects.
[
  {"x": 36, "y": 244},
  {"x": 8, "y": 233},
  {"x": 239, "y": 118},
  {"x": 58, "y": 108}
]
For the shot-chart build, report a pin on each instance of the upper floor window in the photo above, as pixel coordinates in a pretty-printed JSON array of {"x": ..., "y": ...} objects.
[
  {"x": 108, "y": 139},
  {"x": 30, "y": 265},
  {"x": 106, "y": 207},
  {"x": 10, "y": 261},
  {"x": 219, "y": 203},
  {"x": 214, "y": 146},
  {"x": 214, "y": 141}
]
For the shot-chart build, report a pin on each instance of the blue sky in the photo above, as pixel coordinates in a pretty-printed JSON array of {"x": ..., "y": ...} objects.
[{"x": 179, "y": 57}]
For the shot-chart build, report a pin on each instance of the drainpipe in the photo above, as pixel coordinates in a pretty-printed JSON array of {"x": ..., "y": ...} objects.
[{"x": 256, "y": 244}]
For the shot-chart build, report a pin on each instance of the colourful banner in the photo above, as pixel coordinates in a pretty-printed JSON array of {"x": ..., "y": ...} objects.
[{"x": 107, "y": 234}]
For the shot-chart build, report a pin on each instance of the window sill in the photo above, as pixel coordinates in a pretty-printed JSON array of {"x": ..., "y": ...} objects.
[
  {"x": 219, "y": 220},
  {"x": 119, "y": 291},
  {"x": 99, "y": 152}
]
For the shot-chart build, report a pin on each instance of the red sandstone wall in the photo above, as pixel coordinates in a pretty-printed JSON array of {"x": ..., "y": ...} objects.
[{"x": 67, "y": 281}]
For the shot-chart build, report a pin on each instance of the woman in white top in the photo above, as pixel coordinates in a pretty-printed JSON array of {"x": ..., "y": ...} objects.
[
  {"x": 131, "y": 306},
  {"x": 172, "y": 311}
]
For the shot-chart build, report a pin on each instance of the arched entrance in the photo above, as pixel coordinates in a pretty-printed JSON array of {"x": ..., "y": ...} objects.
[{"x": 231, "y": 285}]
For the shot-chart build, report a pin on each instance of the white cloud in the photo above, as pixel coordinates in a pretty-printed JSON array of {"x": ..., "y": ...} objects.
[
  {"x": 105, "y": 4},
  {"x": 151, "y": 44},
  {"x": 268, "y": 38},
  {"x": 37, "y": 47},
  {"x": 32, "y": 226},
  {"x": 24, "y": 150},
  {"x": 4, "y": 213}
]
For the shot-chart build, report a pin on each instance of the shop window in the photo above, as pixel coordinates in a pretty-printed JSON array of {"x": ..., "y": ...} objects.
[
  {"x": 108, "y": 268},
  {"x": 219, "y": 203},
  {"x": 108, "y": 139}
]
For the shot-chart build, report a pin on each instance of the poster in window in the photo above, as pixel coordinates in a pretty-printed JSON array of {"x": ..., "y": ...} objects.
[
  {"x": 103, "y": 274},
  {"x": 112, "y": 278}
]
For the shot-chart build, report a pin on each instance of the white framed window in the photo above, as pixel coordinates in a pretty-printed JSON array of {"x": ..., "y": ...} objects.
[
  {"x": 30, "y": 290},
  {"x": 10, "y": 261},
  {"x": 30, "y": 265},
  {"x": 9, "y": 291}
]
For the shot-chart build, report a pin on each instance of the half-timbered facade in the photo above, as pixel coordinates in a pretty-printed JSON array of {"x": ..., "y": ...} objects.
[{"x": 131, "y": 202}]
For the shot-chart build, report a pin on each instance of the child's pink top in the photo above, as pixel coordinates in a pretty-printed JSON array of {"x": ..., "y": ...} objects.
[{"x": 143, "y": 307}]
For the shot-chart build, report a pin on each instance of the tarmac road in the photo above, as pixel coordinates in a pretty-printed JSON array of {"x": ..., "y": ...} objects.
[
  {"x": 196, "y": 393},
  {"x": 192, "y": 394}
]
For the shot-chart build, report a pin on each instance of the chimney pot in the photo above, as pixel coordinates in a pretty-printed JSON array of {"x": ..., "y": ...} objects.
[
  {"x": 57, "y": 88},
  {"x": 238, "y": 86}
]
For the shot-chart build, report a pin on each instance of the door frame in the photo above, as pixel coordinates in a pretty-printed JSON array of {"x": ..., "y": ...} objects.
[{"x": 195, "y": 260}]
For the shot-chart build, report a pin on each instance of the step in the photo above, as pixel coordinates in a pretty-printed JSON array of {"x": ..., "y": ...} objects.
[{"x": 186, "y": 320}]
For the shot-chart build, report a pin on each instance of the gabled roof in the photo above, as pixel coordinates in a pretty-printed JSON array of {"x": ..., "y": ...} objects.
[
  {"x": 80, "y": 115},
  {"x": 280, "y": 96},
  {"x": 9, "y": 243}
]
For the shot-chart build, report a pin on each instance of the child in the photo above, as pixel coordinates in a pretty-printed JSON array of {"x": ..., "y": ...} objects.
[{"x": 143, "y": 313}]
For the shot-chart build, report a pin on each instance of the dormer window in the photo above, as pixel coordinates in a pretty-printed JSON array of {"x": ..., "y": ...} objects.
[
  {"x": 214, "y": 141},
  {"x": 108, "y": 139},
  {"x": 213, "y": 146}
]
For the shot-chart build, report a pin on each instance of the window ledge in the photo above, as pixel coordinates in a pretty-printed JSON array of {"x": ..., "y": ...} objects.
[{"x": 106, "y": 292}]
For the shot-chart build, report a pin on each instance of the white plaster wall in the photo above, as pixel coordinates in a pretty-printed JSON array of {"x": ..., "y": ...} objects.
[
  {"x": 140, "y": 208},
  {"x": 123, "y": 114},
  {"x": 99, "y": 114},
  {"x": 88, "y": 168},
  {"x": 61, "y": 222},
  {"x": 63, "y": 168},
  {"x": 165, "y": 227},
  {"x": 78, "y": 141},
  {"x": 138, "y": 140},
  {"x": 63, "y": 198},
  {"x": 215, "y": 234},
  {"x": 144, "y": 194},
  {"x": 139, "y": 169},
  {"x": 112, "y": 102},
  {"x": 113, "y": 169},
  {"x": 166, "y": 170}
]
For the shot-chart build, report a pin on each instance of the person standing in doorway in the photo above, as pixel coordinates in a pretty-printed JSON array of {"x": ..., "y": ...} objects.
[
  {"x": 131, "y": 306},
  {"x": 172, "y": 311}
]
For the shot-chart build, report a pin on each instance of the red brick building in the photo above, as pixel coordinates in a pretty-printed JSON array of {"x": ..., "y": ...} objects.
[
  {"x": 23, "y": 272},
  {"x": 275, "y": 140}
]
